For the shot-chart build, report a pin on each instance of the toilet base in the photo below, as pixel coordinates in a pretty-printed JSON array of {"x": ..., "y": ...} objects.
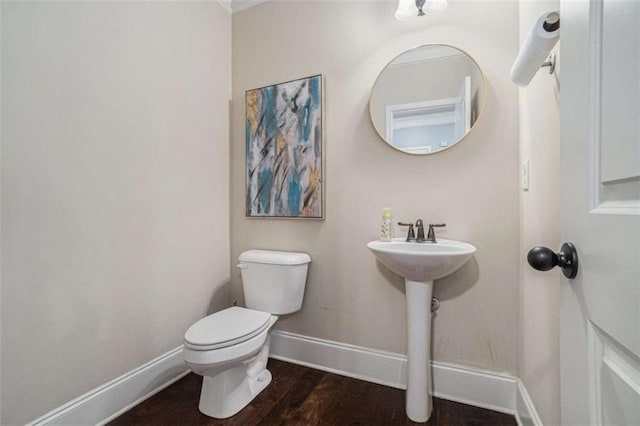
[
  {"x": 229, "y": 391},
  {"x": 222, "y": 397}
]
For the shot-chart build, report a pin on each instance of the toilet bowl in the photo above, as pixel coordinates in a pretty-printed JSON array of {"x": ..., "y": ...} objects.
[{"x": 230, "y": 348}]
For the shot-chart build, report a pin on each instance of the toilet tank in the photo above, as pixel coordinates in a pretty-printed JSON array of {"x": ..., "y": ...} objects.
[{"x": 274, "y": 281}]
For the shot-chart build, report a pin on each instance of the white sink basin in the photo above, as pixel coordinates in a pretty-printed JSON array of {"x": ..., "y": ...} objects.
[{"x": 422, "y": 261}]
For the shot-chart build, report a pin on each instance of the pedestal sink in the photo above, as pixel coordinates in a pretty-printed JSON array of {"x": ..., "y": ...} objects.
[{"x": 420, "y": 264}]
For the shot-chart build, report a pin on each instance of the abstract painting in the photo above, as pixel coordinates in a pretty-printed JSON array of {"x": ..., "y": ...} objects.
[{"x": 284, "y": 149}]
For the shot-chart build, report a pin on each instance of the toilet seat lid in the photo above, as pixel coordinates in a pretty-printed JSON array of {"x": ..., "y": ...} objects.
[{"x": 226, "y": 328}]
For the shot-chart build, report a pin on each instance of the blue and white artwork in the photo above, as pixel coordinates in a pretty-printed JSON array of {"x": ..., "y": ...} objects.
[{"x": 284, "y": 150}]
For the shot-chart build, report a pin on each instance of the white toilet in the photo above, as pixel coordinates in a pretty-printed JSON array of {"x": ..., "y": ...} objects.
[{"x": 230, "y": 348}]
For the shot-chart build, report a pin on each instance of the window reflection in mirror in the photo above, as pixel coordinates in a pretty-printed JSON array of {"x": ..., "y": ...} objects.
[{"x": 427, "y": 99}]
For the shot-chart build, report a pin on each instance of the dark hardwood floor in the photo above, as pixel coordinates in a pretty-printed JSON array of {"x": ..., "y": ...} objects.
[{"x": 302, "y": 396}]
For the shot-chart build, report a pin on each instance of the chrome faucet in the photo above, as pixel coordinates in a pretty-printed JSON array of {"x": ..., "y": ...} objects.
[
  {"x": 431, "y": 235},
  {"x": 420, "y": 226}
]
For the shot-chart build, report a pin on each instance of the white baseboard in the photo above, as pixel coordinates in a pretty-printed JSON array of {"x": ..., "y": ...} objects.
[
  {"x": 486, "y": 389},
  {"x": 472, "y": 386},
  {"x": 494, "y": 391},
  {"x": 384, "y": 368},
  {"x": 526, "y": 413},
  {"x": 119, "y": 395}
]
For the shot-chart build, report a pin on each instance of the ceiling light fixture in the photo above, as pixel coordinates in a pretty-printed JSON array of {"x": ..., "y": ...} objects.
[{"x": 409, "y": 9}]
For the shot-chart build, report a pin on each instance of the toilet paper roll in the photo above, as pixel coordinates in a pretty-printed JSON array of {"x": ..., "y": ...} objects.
[{"x": 543, "y": 36}]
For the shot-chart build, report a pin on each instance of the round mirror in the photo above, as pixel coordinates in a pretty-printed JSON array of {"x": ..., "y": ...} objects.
[{"x": 427, "y": 99}]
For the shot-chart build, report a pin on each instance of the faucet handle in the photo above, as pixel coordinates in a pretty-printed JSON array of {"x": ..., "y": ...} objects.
[
  {"x": 431, "y": 235},
  {"x": 410, "y": 235}
]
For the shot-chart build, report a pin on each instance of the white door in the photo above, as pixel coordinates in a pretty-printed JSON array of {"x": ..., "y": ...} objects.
[
  {"x": 462, "y": 110},
  {"x": 600, "y": 207}
]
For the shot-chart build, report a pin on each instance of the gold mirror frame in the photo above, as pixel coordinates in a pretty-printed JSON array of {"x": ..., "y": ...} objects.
[{"x": 482, "y": 105}]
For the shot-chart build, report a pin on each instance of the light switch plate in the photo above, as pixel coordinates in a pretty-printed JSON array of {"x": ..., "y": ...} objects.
[{"x": 525, "y": 175}]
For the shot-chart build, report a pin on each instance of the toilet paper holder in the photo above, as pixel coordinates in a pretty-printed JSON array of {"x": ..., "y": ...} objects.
[
  {"x": 535, "y": 51},
  {"x": 551, "y": 63}
]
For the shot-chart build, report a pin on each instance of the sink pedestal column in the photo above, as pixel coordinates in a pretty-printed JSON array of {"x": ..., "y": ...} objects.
[{"x": 419, "y": 402}]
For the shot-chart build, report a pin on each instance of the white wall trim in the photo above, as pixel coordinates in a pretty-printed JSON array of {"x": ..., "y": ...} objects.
[
  {"x": 526, "y": 413},
  {"x": 480, "y": 388},
  {"x": 384, "y": 368},
  {"x": 108, "y": 401},
  {"x": 226, "y": 5},
  {"x": 233, "y": 6},
  {"x": 486, "y": 389}
]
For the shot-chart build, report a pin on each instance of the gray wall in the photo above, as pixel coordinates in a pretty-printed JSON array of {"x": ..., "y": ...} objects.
[
  {"x": 539, "y": 358},
  {"x": 473, "y": 187},
  {"x": 114, "y": 187}
]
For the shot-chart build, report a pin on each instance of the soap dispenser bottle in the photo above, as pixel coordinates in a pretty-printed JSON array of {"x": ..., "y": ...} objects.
[{"x": 385, "y": 227}]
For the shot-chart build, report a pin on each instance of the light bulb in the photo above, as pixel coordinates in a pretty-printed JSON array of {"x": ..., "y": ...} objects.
[
  {"x": 407, "y": 10},
  {"x": 433, "y": 7}
]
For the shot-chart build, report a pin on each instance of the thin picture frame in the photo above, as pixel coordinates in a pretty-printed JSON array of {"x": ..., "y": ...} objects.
[{"x": 285, "y": 150}]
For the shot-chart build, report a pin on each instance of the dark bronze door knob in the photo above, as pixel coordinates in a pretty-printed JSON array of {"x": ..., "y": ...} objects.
[{"x": 544, "y": 259}]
